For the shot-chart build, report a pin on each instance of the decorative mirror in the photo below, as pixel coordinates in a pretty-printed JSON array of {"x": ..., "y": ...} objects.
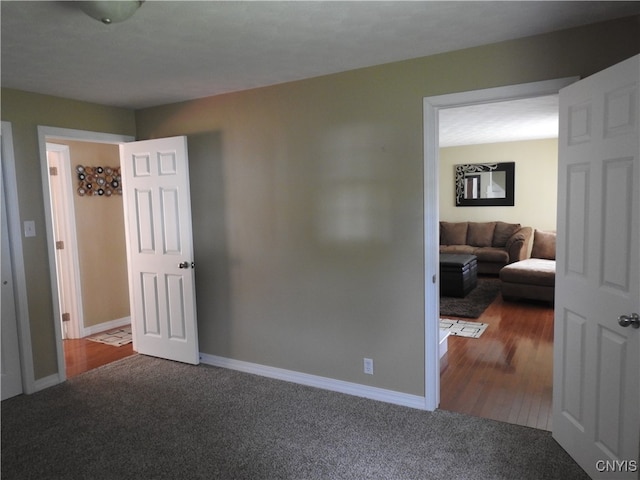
[{"x": 485, "y": 184}]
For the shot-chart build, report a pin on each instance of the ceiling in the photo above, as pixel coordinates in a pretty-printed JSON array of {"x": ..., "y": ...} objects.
[
  {"x": 509, "y": 121},
  {"x": 171, "y": 51}
]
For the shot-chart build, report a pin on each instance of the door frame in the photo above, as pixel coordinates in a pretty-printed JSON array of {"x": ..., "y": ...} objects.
[
  {"x": 46, "y": 133},
  {"x": 431, "y": 171},
  {"x": 69, "y": 267}
]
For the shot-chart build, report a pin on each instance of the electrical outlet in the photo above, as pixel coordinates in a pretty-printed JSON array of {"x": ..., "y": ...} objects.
[{"x": 368, "y": 366}]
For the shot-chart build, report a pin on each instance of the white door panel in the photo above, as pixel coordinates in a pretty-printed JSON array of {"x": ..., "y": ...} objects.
[
  {"x": 10, "y": 372},
  {"x": 596, "y": 417},
  {"x": 158, "y": 216}
]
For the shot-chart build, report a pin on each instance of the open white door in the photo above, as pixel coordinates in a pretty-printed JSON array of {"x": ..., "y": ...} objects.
[
  {"x": 155, "y": 181},
  {"x": 596, "y": 412}
]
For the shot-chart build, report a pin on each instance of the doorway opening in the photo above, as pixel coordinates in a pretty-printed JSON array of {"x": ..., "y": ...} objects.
[
  {"x": 90, "y": 249},
  {"x": 87, "y": 249},
  {"x": 432, "y": 108},
  {"x": 156, "y": 256},
  {"x": 507, "y": 373}
]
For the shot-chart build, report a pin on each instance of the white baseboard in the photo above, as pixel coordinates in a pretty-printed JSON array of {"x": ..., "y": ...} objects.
[
  {"x": 45, "y": 382},
  {"x": 372, "y": 393},
  {"x": 55, "y": 379},
  {"x": 444, "y": 342},
  {"x": 101, "y": 327}
]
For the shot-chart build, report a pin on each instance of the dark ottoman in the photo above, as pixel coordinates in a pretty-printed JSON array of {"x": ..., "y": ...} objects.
[{"x": 458, "y": 274}]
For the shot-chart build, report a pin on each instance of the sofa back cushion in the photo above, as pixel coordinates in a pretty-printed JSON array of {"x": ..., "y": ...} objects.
[
  {"x": 544, "y": 245},
  {"x": 503, "y": 232},
  {"x": 453, "y": 233},
  {"x": 480, "y": 234}
]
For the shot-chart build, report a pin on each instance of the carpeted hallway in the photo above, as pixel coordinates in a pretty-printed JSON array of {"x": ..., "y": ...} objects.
[{"x": 146, "y": 418}]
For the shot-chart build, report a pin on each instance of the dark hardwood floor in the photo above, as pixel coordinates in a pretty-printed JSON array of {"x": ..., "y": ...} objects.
[
  {"x": 82, "y": 355},
  {"x": 507, "y": 373}
]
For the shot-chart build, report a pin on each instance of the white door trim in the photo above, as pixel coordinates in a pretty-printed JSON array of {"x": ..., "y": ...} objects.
[
  {"x": 67, "y": 225},
  {"x": 17, "y": 258},
  {"x": 431, "y": 108},
  {"x": 45, "y": 133}
]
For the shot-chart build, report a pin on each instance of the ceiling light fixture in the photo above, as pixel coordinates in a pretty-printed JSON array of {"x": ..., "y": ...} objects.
[{"x": 109, "y": 12}]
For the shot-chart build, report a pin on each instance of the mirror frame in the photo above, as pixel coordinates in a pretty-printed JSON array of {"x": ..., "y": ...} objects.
[{"x": 463, "y": 170}]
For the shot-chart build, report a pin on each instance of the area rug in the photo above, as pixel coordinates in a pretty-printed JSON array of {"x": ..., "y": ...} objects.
[
  {"x": 474, "y": 303},
  {"x": 116, "y": 337},
  {"x": 461, "y": 328}
]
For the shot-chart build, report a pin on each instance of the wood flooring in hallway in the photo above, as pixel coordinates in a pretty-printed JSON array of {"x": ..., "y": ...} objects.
[
  {"x": 507, "y": 373},
  {"x": 82, "y": 355}
]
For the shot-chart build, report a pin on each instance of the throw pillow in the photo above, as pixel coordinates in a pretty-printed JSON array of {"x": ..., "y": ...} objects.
[
  {"x": 503, "y": 232},
  {"x": 544, "y": 245},
  {"x": 453, "y": 233},
  {"x": 480, "y": 234}
]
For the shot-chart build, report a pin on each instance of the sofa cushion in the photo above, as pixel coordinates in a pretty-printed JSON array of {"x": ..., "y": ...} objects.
[
  {"x": 544, "y": 245},
  {"x": 518, "y": 244},
  {"x": 458, "y": 249},
  {"x": 491, "y": 255},
  {"x": 503, "y": 232},
  {"x": 453, "y": 233},
  {"x": 532, "y": 271},
  {"x": 480, "y": 234}
]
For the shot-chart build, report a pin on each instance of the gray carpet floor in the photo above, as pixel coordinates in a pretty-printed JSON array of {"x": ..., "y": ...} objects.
[{"x": 146, "y": 418}]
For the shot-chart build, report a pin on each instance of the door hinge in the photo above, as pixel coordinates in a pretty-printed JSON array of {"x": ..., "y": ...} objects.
[
  {"x": 59, "y": 245},
  {"x": 53, "y": 171},
  {"x": 66, "y": 317}
]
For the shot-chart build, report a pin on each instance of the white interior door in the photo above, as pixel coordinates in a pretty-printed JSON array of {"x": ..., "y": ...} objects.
[
  {"x": 11, "y": 384},
  {"x": 155, "y": 180},
  {"x": 596, "y": 413}
]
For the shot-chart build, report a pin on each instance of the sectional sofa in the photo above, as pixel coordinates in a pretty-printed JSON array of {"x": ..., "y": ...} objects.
[
  {"x": 535, "y": 277},
  {"x": 495, "y": 244}
]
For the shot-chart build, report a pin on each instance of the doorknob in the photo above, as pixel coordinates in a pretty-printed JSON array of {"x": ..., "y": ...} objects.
[
  {"x": 626, "y": 320},
  {"x": 184, "y": 265}
]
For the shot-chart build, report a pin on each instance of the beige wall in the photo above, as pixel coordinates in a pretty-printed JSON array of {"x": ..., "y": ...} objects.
[
  {"x": 535, "y": 186},
  {"x": 308, "y": 213},
  {"x": 315, "y": 189},
  {"x": 101, "y": 239},
  {"x": 26, "y": 111}
]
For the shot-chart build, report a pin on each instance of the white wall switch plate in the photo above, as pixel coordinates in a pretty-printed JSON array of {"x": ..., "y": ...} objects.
[{"x": 29, "y": 228}]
